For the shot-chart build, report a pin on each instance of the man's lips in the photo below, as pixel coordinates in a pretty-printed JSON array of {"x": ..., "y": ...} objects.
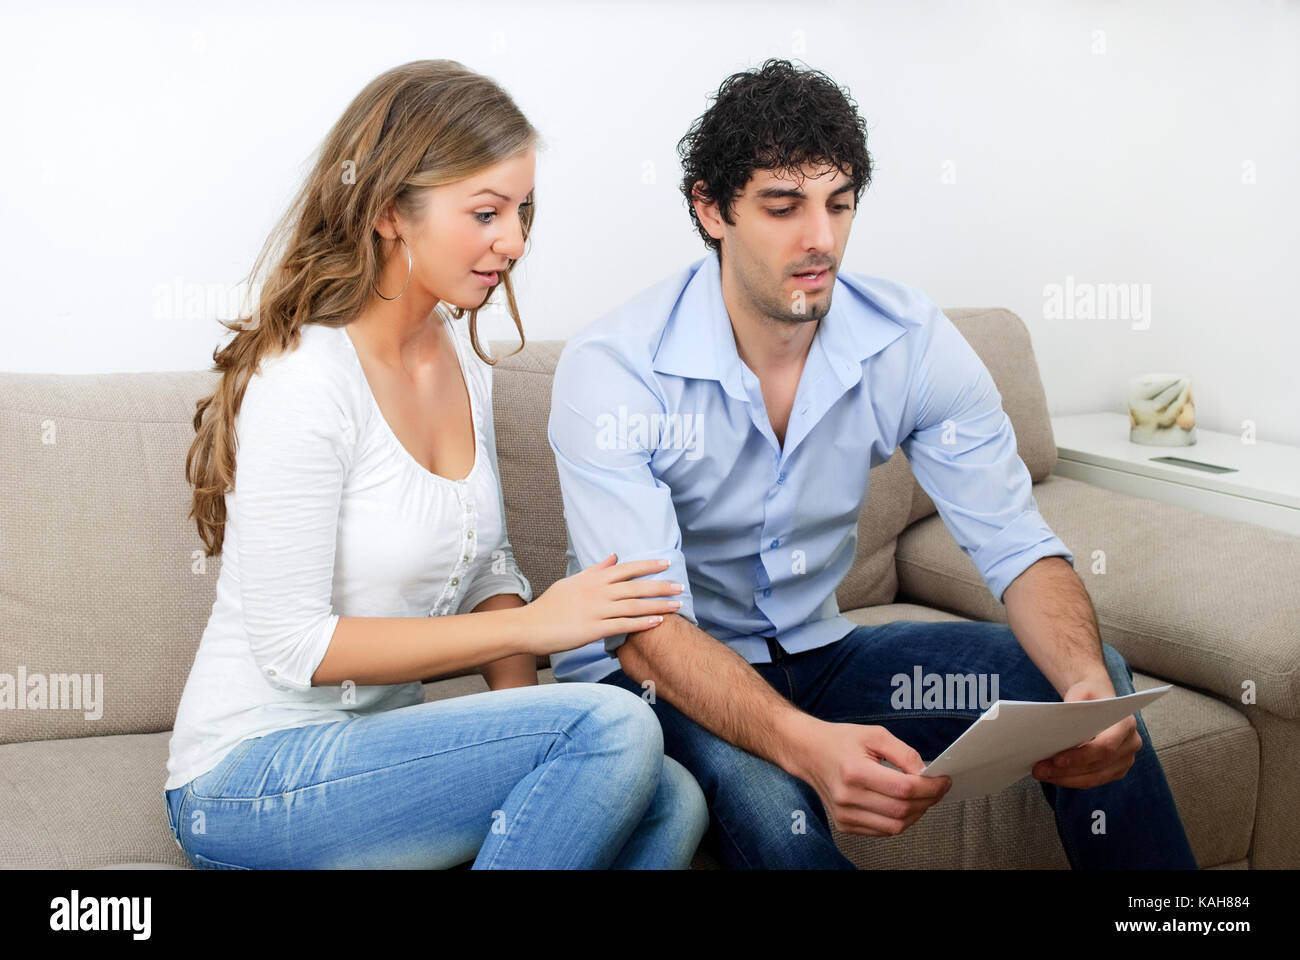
[{"x": 814, "y": 280}]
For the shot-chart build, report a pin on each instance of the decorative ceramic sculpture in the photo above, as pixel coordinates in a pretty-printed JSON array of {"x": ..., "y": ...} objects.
[{"x": 1160, "y": 410}]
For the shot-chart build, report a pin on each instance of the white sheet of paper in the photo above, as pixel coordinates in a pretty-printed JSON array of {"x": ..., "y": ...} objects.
[{"x": 1012, "y": 735}]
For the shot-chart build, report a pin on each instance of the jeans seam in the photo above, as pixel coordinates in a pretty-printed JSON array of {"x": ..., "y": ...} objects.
[
  {"x": 732, "y": 840},
  {"x": 532, "y": 790},
  {"x": 196, "y": 857}
]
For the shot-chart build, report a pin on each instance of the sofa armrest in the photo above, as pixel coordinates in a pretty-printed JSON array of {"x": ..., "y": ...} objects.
[{"x": 1197, "y": 599}]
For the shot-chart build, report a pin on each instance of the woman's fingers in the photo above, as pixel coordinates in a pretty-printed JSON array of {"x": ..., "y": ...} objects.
[
  {"x": 631, "y": 624},
  {"x": 642, "y": 608},
  {"x": 636, "y": 589},
  {"x": 635, "y": 568}
]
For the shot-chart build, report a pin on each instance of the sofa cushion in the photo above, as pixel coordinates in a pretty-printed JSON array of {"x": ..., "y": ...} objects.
[
  {"x": 104, "y": 575},
  {"x": 86, "y": 802},
  {"x": 1213, "y": 611}
]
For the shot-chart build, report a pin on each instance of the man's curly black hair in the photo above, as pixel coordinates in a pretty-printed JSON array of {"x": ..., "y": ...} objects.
[{"x": 778, "y": 117}]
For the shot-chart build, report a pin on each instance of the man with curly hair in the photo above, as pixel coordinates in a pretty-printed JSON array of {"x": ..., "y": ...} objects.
[{"x": 726, "y": 419}]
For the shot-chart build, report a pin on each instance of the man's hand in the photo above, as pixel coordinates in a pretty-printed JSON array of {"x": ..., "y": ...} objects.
[
  {"x": 1104, "y": 758},
  {"x": 843, "y": 762}
]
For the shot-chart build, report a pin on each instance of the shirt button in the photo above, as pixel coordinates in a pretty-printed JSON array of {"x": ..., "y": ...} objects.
[
  {"x": 774, "y": 544},
  {"x": 781, "y": 478},
  {"x": 270, "y": 671},
  {"x": 767, "y": 592},
  {"x": 455, "y": 580},
  {"x": 470, "y": 534},
  {"x": 466, "y": 558}
]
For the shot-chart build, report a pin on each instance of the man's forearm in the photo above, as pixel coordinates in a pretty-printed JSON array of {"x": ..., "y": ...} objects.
[
  {"x": 714, "y": 686},
  {"x": 1052, "y": 616}
]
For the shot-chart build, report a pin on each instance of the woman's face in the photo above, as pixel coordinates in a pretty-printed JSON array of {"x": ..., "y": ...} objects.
[{"x": 466, "y": 233}]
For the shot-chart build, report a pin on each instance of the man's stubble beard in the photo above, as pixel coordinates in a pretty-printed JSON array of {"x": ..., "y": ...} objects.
[
  {"x": 776, "y": 309},
  {"x": 813, "y": 310}
]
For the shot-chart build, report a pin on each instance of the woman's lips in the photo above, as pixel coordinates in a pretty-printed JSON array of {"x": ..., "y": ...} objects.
[{"x": 488, "y": 278}]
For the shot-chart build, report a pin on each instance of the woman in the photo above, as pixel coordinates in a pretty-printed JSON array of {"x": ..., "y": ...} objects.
[{"x": 364, "y": 543}]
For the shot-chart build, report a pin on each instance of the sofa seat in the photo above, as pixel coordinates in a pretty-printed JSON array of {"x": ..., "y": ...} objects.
[{"x": 93, "y": 802}]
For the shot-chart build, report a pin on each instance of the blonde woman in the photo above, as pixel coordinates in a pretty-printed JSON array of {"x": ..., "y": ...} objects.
[{"x": 345, "y": 469}]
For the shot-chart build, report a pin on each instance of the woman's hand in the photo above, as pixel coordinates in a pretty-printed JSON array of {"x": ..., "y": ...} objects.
[{"x": 602, "y": 601}]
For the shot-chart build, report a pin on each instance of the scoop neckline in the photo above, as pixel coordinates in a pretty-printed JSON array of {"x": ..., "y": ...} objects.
[{"x": 388, "y": 429}]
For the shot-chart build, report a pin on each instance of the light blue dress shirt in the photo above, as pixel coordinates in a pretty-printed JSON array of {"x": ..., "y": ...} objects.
[{"x": 664, "y": 449}]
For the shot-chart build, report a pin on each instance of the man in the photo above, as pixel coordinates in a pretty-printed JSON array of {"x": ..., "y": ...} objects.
[{"x": 726, "y": 420}]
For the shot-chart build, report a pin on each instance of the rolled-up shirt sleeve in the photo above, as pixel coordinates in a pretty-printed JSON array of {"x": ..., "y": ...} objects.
[
  {"x": 962, "y": 450},
  {"x": 613, "y": 503},
  {"x": 294, "y": 448},
  {"x": 501, "y": 574}
]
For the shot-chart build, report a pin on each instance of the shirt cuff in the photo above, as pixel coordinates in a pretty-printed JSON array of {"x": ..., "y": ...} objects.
[
  {"x": 295, "y": 672},
  {"x": 1020, "y": 544},
  {"x": 674, "y": 573}
]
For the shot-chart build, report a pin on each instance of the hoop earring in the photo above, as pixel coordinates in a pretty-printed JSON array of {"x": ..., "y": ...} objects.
[{"x": 410, "y": 265}]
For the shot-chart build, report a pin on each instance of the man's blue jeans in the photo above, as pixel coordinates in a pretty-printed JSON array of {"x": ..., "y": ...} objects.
[
  {"x": 752, "y": 802},
  {"x": 541, "y": 777}
]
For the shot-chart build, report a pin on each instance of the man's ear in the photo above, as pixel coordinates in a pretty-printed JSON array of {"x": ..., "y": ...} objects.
[{"x": 707, "y": 211}]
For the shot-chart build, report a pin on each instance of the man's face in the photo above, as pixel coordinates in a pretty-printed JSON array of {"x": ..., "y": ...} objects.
[{"x": 786, "y": 227}]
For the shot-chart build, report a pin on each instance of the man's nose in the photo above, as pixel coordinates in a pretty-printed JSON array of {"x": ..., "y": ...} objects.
[{"x": 818, "y": 234}]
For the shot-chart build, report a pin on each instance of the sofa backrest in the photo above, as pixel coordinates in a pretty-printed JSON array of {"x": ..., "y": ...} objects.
[{"x": 103, "y": 576}]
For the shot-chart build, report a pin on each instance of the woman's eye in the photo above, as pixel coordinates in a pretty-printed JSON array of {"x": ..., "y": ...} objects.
[{"x": 489, "y": 213}]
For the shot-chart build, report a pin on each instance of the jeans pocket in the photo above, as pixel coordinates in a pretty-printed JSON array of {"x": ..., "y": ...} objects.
[{"x": 204, "y": 863}]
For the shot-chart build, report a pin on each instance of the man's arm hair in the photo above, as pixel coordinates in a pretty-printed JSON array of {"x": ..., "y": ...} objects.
[{"x": 713, "y": 685}]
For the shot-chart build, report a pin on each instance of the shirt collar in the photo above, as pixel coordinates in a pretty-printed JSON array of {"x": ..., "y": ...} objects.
[{"x": 698, "y": 341}]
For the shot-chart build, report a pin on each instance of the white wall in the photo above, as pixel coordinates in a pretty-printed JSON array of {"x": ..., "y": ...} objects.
[{"x": 1150, "y": 143}]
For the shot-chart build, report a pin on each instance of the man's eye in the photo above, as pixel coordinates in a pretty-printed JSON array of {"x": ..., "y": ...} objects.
[
  {"x": 843, "y": 206},
  {"x": 490, "y": 213},
  {"x": 780, "y": 213}
]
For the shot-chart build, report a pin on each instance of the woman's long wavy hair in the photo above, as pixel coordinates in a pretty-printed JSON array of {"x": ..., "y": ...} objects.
[{"x": 423, "y": 124}]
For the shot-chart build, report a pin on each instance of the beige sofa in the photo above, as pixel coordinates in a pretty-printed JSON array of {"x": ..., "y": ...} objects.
[{"x": 101, "y": 574}]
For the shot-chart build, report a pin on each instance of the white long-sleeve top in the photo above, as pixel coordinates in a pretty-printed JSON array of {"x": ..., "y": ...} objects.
[{"x": 331, "y": 516}]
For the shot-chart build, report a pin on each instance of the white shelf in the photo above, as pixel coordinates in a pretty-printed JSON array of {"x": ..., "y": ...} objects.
[{"x": 1263, "y": 485}]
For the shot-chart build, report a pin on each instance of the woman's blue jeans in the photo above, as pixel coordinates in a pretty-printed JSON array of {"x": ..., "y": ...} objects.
[
  {"x": 852, "y": 681},
  {"x": 552, "y": 776}
]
